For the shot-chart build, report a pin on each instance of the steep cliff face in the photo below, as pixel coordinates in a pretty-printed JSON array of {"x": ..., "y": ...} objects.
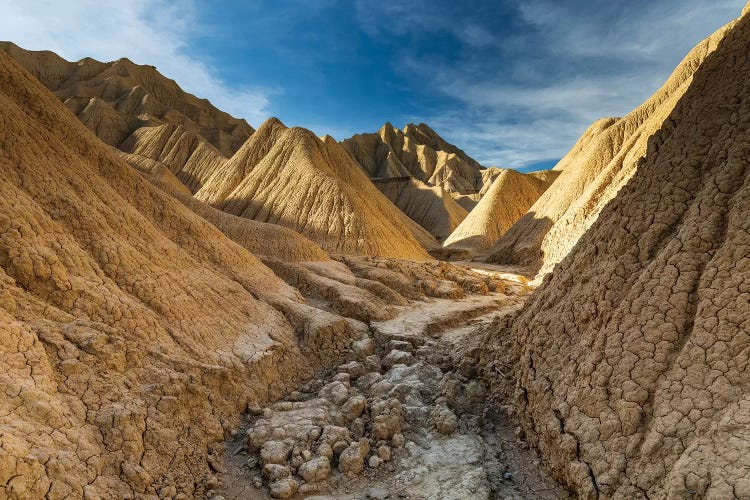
[
  {"x": 605, "y": 157},
  {"x": 632, "y": 357},
  {"x": 416, "y": 151},
  {"x": 290, "y": 177}
]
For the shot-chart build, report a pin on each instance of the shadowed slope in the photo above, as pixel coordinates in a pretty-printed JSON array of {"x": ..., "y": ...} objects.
[
  {"x": 415, "y": 151},
  {"x": 600, "y": 163},
  {"x": 131, "y": 328},
  {"x": 508, "y": 198},
  {"x": 264, "y": 240},
  {"x": 469, "y": 201},
  {"x": 429, "y": 206},
  {"x": 632, "y": 358},
  {"x": 116, "y": 98},
  {"x": 288, "y": 176},
  {"x": 188, "y": 156}
]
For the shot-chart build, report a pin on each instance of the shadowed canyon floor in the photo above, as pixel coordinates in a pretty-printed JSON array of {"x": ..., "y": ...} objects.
[{"x": 404, "y": 417}]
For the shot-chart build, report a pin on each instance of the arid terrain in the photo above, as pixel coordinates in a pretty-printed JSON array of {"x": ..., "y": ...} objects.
[{"x": 193, "y": 308}]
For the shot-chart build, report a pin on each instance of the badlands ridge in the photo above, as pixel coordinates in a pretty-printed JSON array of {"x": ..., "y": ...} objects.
[{"x": 194, "y": 308}]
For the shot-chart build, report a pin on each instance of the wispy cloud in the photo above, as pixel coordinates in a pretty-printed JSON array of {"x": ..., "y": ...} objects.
[
  {"x": 525, "y": 94},
  {"x": 155, "y": 32}
]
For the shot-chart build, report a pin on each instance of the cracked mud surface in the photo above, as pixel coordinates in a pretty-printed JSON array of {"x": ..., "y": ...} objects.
[
  {"x": 632, "y": 357},
  {"x": 134, "y": 332},
  {"x": 144, "y": 351},
  {"x": 405, "y": 417}
]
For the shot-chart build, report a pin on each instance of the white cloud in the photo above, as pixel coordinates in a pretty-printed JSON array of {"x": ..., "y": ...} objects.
[
  {"x": 524, "y": 96},
  {"x": 155, "y": 32}
]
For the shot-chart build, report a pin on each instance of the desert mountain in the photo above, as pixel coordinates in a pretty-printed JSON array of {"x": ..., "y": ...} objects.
[
  {"x": 602, "y": 161},
  {"x": 469, "y": 201},
  {"x": 144, "y": 324},
  {"x": 138, "y": 110},
  {"x": 430, "y": 206},
  {"x": 632, "y": 358},
  {"x": 134, "y": 332},
  {"x": 172, "y": 326},
  {"x": 290, "y": 177},
  {"x": 116, "y": 98},
  {"x": 509, "y": 196},
  {"x": 147, "y": 116},
  {"x": 416, "y": 151},
  {"x": 269, "y": 241}
]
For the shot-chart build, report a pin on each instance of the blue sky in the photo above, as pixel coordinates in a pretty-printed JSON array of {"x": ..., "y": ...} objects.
[{"x": 513, "y": 83}]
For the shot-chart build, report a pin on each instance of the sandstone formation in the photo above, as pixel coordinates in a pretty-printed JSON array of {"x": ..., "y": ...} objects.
[
  {"x": 140, "y": 111},
  {"x": 131, "y": 327},
  {"x": 116, "y": 98},
  {"x": 290, "y": 177},
  {"x": 172, "y": 324},
  {"x": 190, "y": 157},
  {"x": 311, "y": 186},
  {"x": 469, "y": 201},
  {"x": 416, "y": 151},
  {"x": 135, "y": 333},
  {"x": 430, "y": 206},
  {"x": 508, "y": 198},
  {"x": 631, "y": 360},
  {"x": 263, "y": 240},
  {"x": 602, "y": 161}
]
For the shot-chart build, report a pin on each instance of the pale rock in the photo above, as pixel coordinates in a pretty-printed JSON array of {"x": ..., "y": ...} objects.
[
  {"x": 317, "y": 469},
  {"x": 336, "y": 392},
  {"x": 284, "y": 488},
  {"x": 397, "y": 357},
  {"x": 274, "y": 452},
  {"x": 445, "y": 420},
  {"x": 352, "y": 459},
  {"x": 355, "y": 369},
  {"x": 274, "y": 472},
  {"x": 354, "y": 407}
]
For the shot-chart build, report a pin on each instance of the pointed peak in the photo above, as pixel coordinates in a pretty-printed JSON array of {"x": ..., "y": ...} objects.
[
  {"x": 421, "y": 128},
  {"x": 125, "y": 61},
  {"x": 388, "y": 130},
  {"x": 87, "y": 60},
  {"x": 269, "y": 127},
  {"x": 272, "y": 122},
  {"x": 426, "y": 128},
  {"x": 387, "y": 127}
]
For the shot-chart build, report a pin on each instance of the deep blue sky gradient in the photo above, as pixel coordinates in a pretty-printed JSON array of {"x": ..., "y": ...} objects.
[
  {"x": 512, "y": 82},
  {"x": 342, "y": 67}
]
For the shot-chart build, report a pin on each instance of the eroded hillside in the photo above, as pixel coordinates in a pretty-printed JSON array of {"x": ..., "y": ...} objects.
[
  {"x": 290, "y": 177},
  {"x": 115, "y": 99},
  {"x": 631, "y": 360},
  {"x": 592, "y": 173},
  {"x": 186, "y": 310},
  {"x": 431, "y": 207},
  {"x": 416, "y": 151},
  {"x": 506, "y": 200}
]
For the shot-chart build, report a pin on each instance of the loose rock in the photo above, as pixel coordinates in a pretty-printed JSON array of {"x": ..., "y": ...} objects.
[
  {"x": 317, "y": 469},
  {"x": 352, "y": 459},
  {"x": 284, "y": 488}
]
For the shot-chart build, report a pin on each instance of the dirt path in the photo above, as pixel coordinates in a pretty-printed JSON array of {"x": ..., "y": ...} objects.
[{"x": 405, "y": 418}]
